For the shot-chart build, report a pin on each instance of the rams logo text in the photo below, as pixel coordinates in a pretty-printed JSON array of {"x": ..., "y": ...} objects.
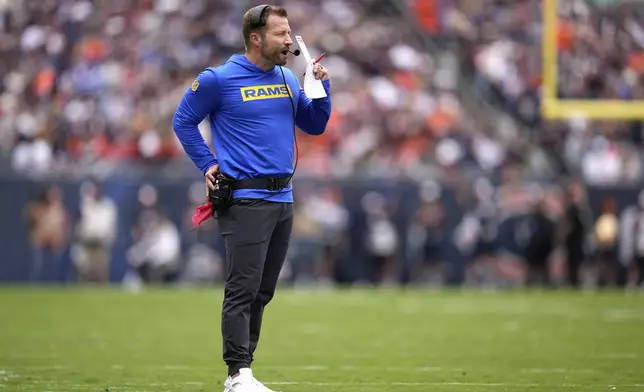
[{"x": 270, "y": 91}]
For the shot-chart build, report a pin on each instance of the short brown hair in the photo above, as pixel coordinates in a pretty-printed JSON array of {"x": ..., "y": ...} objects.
[{"x": 248, "y": 27}]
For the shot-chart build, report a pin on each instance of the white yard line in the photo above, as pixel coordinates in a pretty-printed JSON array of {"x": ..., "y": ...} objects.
[
  {"x": 471, "y": 384},
  {"x": 347, "y": 368},
  {"x": 57, "y": 386},
  {"x": 620, "y": 356},
  {"x": 618, "y": 314},
  {"x": 417, "y": 369},
  {"x": 173, "y": 367},
  {"x": 556, "y": 370}
]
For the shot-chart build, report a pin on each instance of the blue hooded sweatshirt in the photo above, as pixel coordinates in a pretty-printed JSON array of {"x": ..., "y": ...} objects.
[{"x": 251, "y": 119}]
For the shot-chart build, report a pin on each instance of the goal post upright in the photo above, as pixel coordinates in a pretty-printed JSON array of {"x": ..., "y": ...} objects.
[{"x": 554, "y": 108}]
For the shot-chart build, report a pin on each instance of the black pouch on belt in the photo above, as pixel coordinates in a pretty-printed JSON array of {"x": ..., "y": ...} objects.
[{"x": 222, "y": 196}]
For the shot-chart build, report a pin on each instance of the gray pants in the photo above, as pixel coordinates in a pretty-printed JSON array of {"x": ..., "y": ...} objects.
[{"x": 256, "y": 235}]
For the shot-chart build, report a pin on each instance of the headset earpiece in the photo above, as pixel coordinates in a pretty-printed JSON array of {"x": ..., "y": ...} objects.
[{"x": 256, "y": 15}]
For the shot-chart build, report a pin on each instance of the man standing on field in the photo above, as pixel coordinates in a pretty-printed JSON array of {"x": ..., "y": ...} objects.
[{"x": 254, "y": 104}]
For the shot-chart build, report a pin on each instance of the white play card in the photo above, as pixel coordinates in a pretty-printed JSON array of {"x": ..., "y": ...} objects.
[{"x": 312, "y": 87}]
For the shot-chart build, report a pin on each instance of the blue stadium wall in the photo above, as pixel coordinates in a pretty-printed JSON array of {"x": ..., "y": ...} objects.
[{"x": 15, "y": 194}]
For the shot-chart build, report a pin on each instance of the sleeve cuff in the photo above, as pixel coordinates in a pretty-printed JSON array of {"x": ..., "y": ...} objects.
[
  {"x": 327, "y": 85},
  {"x": 209, "y": 165}
]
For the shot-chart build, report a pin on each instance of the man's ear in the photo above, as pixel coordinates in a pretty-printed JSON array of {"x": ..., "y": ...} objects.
[{"x": 256, "y": 38}]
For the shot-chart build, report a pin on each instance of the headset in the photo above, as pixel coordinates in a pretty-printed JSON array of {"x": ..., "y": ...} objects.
[{"x": 256, "y": 14}]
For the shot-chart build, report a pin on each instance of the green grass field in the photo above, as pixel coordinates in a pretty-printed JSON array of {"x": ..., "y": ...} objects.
[{"x": 360, "y": 340}]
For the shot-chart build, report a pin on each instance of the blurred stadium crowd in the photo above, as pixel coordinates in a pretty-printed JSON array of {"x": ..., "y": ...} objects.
[
  {"x": 89, "y": 88},
  {"x": 600, "y": 46}
]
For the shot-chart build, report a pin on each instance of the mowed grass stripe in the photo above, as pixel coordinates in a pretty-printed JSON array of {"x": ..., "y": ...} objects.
[{"x": 324, "y": 340}]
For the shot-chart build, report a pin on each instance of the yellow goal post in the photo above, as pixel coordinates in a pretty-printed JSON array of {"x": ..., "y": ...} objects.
[{"x": 554, "y": 108}]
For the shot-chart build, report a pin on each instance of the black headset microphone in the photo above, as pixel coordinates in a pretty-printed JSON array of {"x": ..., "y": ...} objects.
[{"x": 296, "y": 52}]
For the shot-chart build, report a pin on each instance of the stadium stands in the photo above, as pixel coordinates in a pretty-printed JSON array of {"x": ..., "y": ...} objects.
[
  {"x": 599, "y": 50},
  {"x": 89, "y": 88}
]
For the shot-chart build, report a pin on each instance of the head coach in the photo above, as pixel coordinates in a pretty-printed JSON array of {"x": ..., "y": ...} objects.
[{"x": 254, "y": 104}]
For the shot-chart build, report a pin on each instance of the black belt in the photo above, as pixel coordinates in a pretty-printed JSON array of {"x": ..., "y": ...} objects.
[{"x": 271, "y": 184}]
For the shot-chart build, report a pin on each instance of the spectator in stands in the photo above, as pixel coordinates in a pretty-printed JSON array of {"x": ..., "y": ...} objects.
[
  {"x": 326, "y": 213},
  {"x": 428, "y": 224},
  {"x": 49, "y": 231},
  {"x": 576, "y": 227},
  {"x": 541, "y": 245},
  {"x": 606, "y": 233},
  {"x": 155, "y": 254},
  {"x": 382, "y": 239},
  {"x": 305, "y": 254},
  {"x": 94, "y": 234},
  {"x": 639, "y": 241}
]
